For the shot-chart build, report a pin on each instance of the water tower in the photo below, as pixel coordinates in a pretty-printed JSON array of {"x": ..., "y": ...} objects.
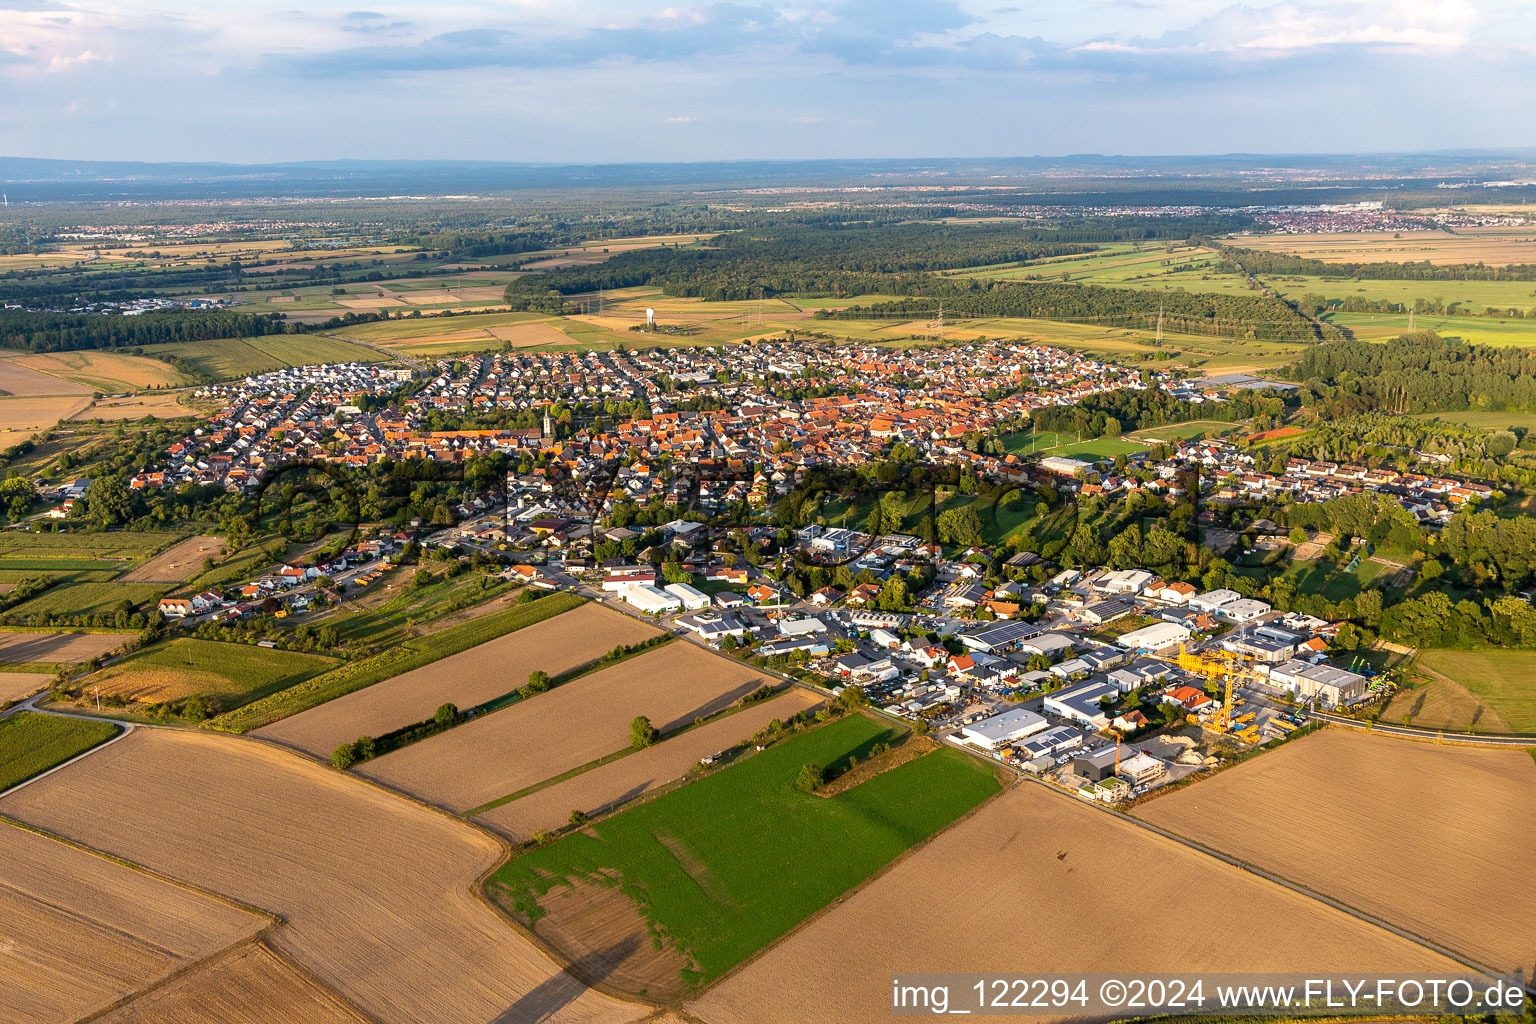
[{"x": 650, "y": 319}]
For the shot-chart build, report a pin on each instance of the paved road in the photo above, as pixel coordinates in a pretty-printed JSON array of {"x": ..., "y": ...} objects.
[{"x": 1413, "y": 732}]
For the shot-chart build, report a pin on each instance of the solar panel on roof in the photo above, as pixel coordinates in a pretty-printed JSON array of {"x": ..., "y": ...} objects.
[{"x": 1009, "y": 633}]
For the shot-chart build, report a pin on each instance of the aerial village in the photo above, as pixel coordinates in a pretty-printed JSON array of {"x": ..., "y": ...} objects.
[{"x": 1108, "y": 682}]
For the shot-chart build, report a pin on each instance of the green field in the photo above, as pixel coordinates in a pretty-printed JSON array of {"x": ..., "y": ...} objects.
[
  {"x": 1466, "y": 296},
  {"x": 1180, "y": 431},
  {"x": 386, "y": 331},
  {"x": 1313, "y": 576},
  {"x": 32, "y": 743},
  {"x": 1479, "y": 420},
  {"x": 233, "y": 673},
  {"x": 118, "y": 544},
  {"x": 724, "y": 866},
  {"x": 86, "y": 593},
  {"x": 1474, "y": 329},
  {"x": 229, "y": 358},
  {"x": 409, "y": 654},
  {"x": 1045, "y": 442},
  {"x": 1504, "y": 680}
]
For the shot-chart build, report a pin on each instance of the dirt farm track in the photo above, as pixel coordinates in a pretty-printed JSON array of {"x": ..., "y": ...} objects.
[{"x": 374, "y": 891}]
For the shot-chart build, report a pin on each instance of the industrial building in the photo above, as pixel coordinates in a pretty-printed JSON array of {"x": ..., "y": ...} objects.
[
  {"x": 692, "y": 599},
  {"x": 651, "y": 600},
  {"x": 1139, "y": 769},
  {"x": 1155, "y": 637},
  {"x": 1332, "y": 686},
  {"x": 1081, "y": 703},
  {"x": 1000, "y": 730}
]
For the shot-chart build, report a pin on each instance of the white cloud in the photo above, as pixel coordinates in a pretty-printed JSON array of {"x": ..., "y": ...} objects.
[
  {"x": 682, "y": 119},
  {"x": 62, "y": 62}
]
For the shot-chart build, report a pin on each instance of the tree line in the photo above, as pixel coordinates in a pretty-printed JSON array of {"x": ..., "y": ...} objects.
[{"x": 1237, "y": 260}]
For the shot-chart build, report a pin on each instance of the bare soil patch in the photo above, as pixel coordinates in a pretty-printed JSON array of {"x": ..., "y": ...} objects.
[
  {"x": 177, "y": 563},
  {"x": 602, "y": 932},
  {"x": 249, "y": 985},
  {"x": 569, "y": 726},
  {"x": 16, "y": 378},
  {"x": 528, "y": 335},
  {"x": 612, "y": 785},
  {"x": 78, "y": 932},
  {"x": 375, "y": 891},
  {"x": 16, "y": 685},
  {"x": 479, "y": 674},
  {"x": 63, "y": 648},
  {"x": 1030, "y": 868},
  {"x": 32, "y": 414},
  {"x": 1442, "y": 704},
  {"x": 161, "y": 405},
  {"x": 1436, "y": 839}
]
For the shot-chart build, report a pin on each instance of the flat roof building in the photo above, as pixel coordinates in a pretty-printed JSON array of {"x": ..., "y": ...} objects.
[
  {"x": 1001, "y": 730},
  {"x": 1155, "y": 637}
]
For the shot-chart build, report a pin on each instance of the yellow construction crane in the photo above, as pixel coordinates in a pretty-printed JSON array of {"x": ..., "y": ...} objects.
[{"x": 1218, "y": 664}]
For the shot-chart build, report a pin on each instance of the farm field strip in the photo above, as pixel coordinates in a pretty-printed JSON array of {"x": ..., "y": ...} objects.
[
  {"x": 473, "y": 677},
  {"x": 249, "y": 985},
  {"x": 410, "y": 654},
  {"x": 81, "y": 931},
  {"x": 1499, "y": 680},
  {"x": 571, "y": 725},
  {"x": 32, "y": 743},
  {"x": 374, "y": 890},
  {"x": 630, "y": 777},
  {"x": 183, "y": 666},
  {"x": 16, "y": 685},
  {"x": 1438, "y": 247},
  {"x": 177, "y": 563},
  {"x": 22, "y": 376},
  {"x": 64, "y": 648},
  {"x": 1425, "y": 839},
  {"x": 1039, "y": 856},
  {"x": 723, "y": 866}
]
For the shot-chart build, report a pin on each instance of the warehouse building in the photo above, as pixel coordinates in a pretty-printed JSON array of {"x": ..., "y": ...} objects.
[
  {"x": 1000, "y": 730},
  {"x": 651, "y": 600},
  {"x": 1332, "y": 686},
  {"x": 1081, "y": 703},
  {"x": 1155, "y": 637},
  {"x": 692, "y": 599}
]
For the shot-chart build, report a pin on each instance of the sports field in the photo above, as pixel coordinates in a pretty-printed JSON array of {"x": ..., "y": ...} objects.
[
  {"x": 31, "y": 743},
  {"x": 1425, "y": 836},
  {"x": 232, "y": 673},
  {"x": 722, "y": 867},
  {"x": 1026, "y": 877}
]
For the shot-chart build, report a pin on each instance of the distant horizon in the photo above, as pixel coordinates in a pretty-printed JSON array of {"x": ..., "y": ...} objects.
[{"x": 594, "y": 81}]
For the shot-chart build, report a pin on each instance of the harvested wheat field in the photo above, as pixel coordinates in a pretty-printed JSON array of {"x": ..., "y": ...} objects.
[
  {"x": 17, "y": 378},
  {"x": 177, "y": 563},
  {"x": 1483, "y": 245},
  {"x": 529, "y": 335},
  {"x": 1435, "y": 839},
  {"x": 80, "y": 932},
  {"x": 16, "y": 685},
  {"x": 374, "y": 890},
  {"x": 483, "y": 673},
  {"x": 103, "y": 371},
  {"x": 1041, "y": 858},
  {"x": 604, "y": 788},
  {"x": 249, "y": 985},
  {"x": 63, "y": 648},
  {"x": 571, "y": 725},
  {"x": 32, "y": 414}
]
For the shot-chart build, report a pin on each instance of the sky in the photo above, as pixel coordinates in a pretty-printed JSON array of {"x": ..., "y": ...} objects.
[{"x": 600, "y": 81}]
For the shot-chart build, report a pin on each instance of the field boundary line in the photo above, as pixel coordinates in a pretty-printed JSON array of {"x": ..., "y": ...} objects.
[
  {"x": 477, "y": 886},
  {"x": 254, "y": 938},
  {"x": 1001, "y": 774},
  {"x": 1413, "y": 732},
  {"x": 127, "y": 728},
  {"x": 325, "y": 991},
  {"x": 1280, "y": 880}
]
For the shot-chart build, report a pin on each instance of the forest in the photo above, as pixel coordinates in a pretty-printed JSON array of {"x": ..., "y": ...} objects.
[
  {"x": 64, "y": 332},
  {"x": 1233, "y": 316},
  {"x": 1418, "y": 372}
]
